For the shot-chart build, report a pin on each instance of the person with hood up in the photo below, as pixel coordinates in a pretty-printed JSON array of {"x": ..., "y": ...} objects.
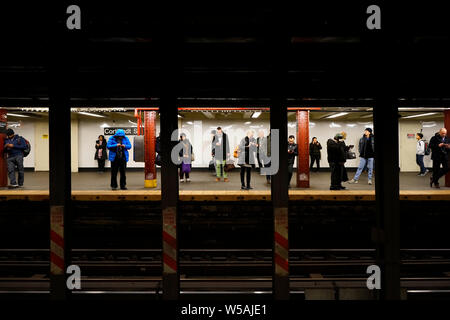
[
  {"x": 336, "y": 159},
  {"x": 118, "y": 146}
]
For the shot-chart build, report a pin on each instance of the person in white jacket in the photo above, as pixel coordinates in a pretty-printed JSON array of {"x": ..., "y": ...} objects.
[{"x": 420, "y": 153}]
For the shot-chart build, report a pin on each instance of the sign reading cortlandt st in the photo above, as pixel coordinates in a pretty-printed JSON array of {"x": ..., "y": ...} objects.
[{"x": 130, "y": 131}]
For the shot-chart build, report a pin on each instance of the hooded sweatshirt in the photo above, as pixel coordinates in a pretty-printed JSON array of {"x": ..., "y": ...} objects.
[{"x": 114, "y": 151}]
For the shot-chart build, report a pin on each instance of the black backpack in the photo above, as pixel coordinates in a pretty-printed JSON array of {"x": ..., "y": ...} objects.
[
  {"x": 27, "y": 150},
  {"x": 427, "y": 148}
]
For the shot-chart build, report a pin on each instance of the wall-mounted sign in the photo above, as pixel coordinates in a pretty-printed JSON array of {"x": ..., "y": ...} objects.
[
  {"x": 110, "y": 131},
  {"x": 410, "y": 135}
]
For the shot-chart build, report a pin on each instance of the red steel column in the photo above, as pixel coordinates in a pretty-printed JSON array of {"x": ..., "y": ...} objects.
[
  {"x": 3, "y": 170},
  {"x": 149, "y": 147},
  {"x": 303, "y": 148},
  {"x": 447, "y": 125}
]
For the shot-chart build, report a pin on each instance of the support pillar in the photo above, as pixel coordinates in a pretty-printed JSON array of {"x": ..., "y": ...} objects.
[
  {"x": 387, "y": 170},
  {"x": 279, "y": 43},
  {"x": 60, "y": 190},
  {"x": 149, "y": 146},
  {"x": 3, "y": 166},
  {"x": 303, "y": 148},
  {"x": 171, "y": 49},
  {"x": 169, "y": 199},
  {"x": 447, "y": 126},
  {"x": 280, "y": 201}
]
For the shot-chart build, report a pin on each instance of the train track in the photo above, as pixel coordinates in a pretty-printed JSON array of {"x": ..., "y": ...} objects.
[{"x": 334, "y": 262}]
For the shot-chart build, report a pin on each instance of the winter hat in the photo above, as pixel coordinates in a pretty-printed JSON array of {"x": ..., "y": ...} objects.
[
  {"x": 369, "y": 129},
  {"x": 338, "y": 136}
]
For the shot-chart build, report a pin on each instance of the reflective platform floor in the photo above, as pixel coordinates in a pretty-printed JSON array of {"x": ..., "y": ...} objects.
[{"x": 203, "y": 180}]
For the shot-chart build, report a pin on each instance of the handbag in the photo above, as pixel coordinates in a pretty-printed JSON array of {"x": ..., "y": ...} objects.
[
  {"x": 229, "y": 165},
  {"x": 236, "y": 152},
  {"x": 350, "y": 155},
  {"x": 192, "y": 157},
  {"x": 211, "y": 166}
]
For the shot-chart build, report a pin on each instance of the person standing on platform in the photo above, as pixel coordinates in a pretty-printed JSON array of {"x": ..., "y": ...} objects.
[
  {"x": 186, "y": 158},
  {"x": 292, "y": 153},
  {"x": 346, "y": 150},
  {"x": 118, "y": 146},
  {"x": 221, "y": 152},
  {"x": 336, "y": 159},
  {"x": 14, "y": 148},
  {"x": 366, "y": 150},
  {"x": 100, "y": 153},
  {"x": 246, "y": 159},
  {"x": 420, "y": 153},
  {"x": 314, "y": 153},
  {"x": 263, "y": 152},
  {"x": 440, "y": 146}
]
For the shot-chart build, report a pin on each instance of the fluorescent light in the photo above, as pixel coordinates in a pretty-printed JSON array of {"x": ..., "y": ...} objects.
[
  {"x": 92, "y": 114},
  {"x": 248, "y": 122},
  {"x": 179, "y": 116},
  {"x": 367, "y": 116},
  {"x": 17, "y": 115},
  {"x": 340, "y": 114},
  {"x": 420, "y": 115},
  {"x": 189, "y": 122},
  {"x": 335, "y": 125},
  {"x": 256, "y": 114}
]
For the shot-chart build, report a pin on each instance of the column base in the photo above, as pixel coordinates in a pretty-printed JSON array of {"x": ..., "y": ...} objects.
[{"x": 150, "y": 183}]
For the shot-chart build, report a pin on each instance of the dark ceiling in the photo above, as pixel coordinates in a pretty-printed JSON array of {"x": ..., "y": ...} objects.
[{"x": 321, "y": 51}]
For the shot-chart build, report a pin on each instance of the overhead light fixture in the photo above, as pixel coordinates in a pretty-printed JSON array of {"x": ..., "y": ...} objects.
[
  {"x": 179, "y": 116},
  {"x": 420, "y": 115},
  {"x": 92, "y": 114},
  {"x": 367, "y": 116},
  {"x": 189, "y": 122},
  {"x": 17, "y": 115},
  {"x": 336, "y": 115},
  {"x": 248, "y": 122},
  {"x": 335, "y": 125},
  {"x": 256, "y": 114}
]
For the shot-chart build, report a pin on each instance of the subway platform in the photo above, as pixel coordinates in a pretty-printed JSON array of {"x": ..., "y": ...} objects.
[{"x": 94, "y": 186}]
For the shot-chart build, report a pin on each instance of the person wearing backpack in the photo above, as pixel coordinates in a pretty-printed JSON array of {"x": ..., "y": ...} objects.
[
  {"x": 118, "y": 146},
  {"x": 14, "y": 148},
  {"x": 420, "y": 153}
]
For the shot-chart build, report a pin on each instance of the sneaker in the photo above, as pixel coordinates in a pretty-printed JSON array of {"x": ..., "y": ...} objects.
[
  {"x": 249, "y": 188},
  {"x": 13, "y": 186},
  {"x": 188, "y": 180},
  {"x": 426, "y": 171},
  {"x": 353, "y": 181},
  {"x": 370, "y": 181},
  {"x": 217, "y": 179},
  {"x": 181, "y": 180},
  {"x": 225, "y": 180},
  {"x": 243, "y": 188},
  {"x": 124, "y": 188}
]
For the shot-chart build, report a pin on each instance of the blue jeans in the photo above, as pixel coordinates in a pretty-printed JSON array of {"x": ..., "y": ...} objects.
[
  {"x": 419, "y": 161},
  {"x": 13, "y": 162},
  {"x": 362, "y": 164}
]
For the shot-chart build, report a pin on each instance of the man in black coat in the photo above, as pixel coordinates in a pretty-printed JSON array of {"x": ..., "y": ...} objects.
[
  {"x": 440, "y": 146},
  {"x": 336, "y": 159},
  {"x": 292, "y": 153}
]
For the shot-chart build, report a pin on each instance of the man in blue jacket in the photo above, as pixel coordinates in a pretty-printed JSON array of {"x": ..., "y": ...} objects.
[
  {"x": 118, "y": 146},
  {"x": 14, "y": 147}
]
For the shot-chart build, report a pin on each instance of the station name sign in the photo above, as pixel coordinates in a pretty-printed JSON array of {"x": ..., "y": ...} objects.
[{"x": 110, "y": 131}]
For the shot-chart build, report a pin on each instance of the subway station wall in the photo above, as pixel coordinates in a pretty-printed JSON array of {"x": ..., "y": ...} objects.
[{"x": 86, "y": 131}]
